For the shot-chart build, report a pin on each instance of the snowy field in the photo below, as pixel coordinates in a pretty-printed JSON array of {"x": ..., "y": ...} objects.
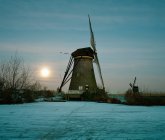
[{"x": 81, "y": 120}]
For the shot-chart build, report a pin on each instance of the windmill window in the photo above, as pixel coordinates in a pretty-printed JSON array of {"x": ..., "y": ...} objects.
[{"x": 80, "y": 87}]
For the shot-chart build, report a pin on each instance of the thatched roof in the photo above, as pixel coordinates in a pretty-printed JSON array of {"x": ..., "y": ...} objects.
[{"x": 83, "y": 52}]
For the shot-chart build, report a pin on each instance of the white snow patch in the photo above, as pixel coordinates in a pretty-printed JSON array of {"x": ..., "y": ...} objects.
[{"x": 81, "y": 120}]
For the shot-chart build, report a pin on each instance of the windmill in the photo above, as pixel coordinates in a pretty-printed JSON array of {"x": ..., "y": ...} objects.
[
  {"x": 80, "y": 70},
  {"x": 135, "y": 89}
]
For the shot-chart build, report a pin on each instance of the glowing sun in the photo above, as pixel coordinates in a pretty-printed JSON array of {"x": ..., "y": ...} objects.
[{"x": 45, "y": 72}]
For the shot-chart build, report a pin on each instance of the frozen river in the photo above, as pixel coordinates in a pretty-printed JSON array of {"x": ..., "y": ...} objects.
[{"x": 81, "y": 120}]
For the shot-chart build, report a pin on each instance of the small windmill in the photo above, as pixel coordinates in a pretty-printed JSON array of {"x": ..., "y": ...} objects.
[
  {"x": 135, "y": 89},
  {"x": 80, "y": 69}
]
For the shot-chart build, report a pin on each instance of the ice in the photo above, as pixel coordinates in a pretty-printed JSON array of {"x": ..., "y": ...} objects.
[{"x": 81, "y": 120}]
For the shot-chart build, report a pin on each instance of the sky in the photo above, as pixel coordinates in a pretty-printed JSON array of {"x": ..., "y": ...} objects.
[{"x": 129, "y": 37}]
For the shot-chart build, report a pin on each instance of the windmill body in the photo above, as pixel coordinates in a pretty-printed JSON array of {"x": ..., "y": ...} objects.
[
  {"x": 135, "y": 89},
  {"x": 83, "y": 77}
]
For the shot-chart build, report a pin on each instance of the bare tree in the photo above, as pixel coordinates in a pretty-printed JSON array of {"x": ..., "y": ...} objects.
[
  {"x": 15, "y": 76},
  {"x": 36, "y": 86}
]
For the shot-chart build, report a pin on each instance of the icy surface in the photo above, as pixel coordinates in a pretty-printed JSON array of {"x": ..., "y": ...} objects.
[{"x": 81, "y": 120}]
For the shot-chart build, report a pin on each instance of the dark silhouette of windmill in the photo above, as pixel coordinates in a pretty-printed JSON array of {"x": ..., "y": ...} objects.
[
  {"x": 135, "y": 89},
  {"x": 80, "y": 69}
]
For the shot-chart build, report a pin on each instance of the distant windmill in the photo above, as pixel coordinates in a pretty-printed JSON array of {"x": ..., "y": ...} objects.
[
  {"x": 82, "y": 73},
  {"x": 135, "y": 89}
]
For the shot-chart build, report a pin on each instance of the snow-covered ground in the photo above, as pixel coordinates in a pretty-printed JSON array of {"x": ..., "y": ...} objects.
[{"x": 81, "y": 120}]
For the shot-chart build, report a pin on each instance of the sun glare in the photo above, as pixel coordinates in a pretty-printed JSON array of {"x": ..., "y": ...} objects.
[{"x": 45, "y": 72}]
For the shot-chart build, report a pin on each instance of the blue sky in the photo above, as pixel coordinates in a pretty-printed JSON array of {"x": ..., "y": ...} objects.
[{"x": 129, "y": 38}]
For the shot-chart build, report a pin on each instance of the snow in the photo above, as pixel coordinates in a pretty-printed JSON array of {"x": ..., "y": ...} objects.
[{"x": 81, "y": 120}]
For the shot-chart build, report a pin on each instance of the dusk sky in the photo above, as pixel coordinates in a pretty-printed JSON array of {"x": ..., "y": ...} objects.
[{"x": 129, "y": 34}]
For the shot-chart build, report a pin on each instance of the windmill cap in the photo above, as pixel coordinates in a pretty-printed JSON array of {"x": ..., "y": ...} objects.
[{"x": 83, "y": 52}]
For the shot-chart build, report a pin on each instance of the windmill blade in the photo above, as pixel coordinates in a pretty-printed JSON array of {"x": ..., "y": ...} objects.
[
  {"x": 92, "y": 40},
  {"x": 99, "y": 69},
  {"x": 93, "y": 45},
  {"x": 134, "y": 81},
  {"x": 130, "y": 85}
]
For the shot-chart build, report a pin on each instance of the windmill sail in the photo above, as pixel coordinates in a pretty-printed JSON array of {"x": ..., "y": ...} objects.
[
  {"x": 92, "y": 40},
  {"x": 93, "y": 45},
  {"x": 134, "y": 81},
  {"x": 99, "y": 69}
]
